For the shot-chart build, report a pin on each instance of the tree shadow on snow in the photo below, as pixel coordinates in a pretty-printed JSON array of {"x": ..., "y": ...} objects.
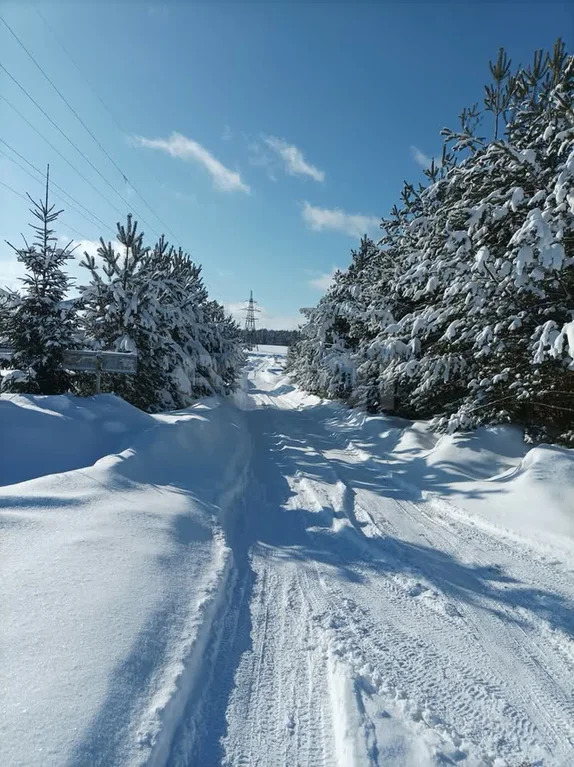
[
  {"x": 308, "y": 533},
  {"x": 290, "y": 445}
]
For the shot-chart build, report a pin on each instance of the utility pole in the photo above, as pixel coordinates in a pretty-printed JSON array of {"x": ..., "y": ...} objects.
[{"x": 250, "y": 329}]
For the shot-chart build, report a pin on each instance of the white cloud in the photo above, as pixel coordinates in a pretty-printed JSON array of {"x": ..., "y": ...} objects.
[
  {"x": 293, "y": 160},
  {"x": 323, "y": 281},
  {"x": 420, "y": 157},
  {"x": 337, "y": 220},
  {"x": 185, "y": 148},
  {"x": 265, "y": 319}
]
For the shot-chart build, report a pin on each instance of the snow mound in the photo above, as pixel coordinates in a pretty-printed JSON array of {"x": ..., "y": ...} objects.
[
  {"x": 49, "y": 434},
  {"x": 489, "y": 475},
  {"x": 112, "y": 573},
  {"x": 535, "y": 499}
]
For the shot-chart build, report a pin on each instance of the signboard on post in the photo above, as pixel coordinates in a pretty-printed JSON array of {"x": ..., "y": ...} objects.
[
  {"x": 92, "y": 361},
  {"x": 89, "y": 361},
  {"x": 98, "y": 362}
]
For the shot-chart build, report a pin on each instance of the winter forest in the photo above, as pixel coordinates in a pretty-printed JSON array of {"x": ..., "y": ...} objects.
[
  {"x": 463, "y": 311},
  {"x": 137, "y": 298}
]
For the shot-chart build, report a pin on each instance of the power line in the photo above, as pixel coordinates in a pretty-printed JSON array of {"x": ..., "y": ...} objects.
[
  {"x": 95, "y": 218},
  {"x": 110, "y": 113},
  {"x": 69, "y": 140},
  {"x": 69, "y": 55},
  {"x": 18, "y": 194},
  {"x": 26, "y": 200},
  {"x": 55, "y": 194},
  {"x": 75, "y": 113},
  {"x": 72, "y": 166}
]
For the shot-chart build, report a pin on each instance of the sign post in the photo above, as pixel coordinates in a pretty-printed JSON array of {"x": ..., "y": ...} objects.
[{"x": 92, "y": 361}]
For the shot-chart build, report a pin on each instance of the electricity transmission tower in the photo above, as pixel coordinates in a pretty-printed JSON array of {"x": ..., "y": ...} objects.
[{"x": 250, "y": 329}]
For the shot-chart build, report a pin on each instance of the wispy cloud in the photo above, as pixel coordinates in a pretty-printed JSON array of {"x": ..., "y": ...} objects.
[
  {"x": 337, "y": 220},
  {"x": 293, "y": 160},
  {"x": 420, "y": 157},
  {"x": 259, "y": 158},
  {"x": 184, "y": 148},
  {"x": 227, "y": 134},
  {"x": 323, "y": 281},
  {"x": 266, "y": 318}
]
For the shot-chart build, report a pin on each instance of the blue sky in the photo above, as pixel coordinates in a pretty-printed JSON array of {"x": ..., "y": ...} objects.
[{"x": 266, "y": 136}]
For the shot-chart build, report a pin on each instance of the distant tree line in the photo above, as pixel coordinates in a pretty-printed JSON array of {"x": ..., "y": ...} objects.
[
  {"x": 264, "y": 336},
  {"x": 463, "y": 312},
  {"x": 136, "y": 297}
]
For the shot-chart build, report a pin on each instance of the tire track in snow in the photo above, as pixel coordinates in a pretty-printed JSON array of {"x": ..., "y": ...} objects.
[
  {"x": 379, "y": 630},
  {"x": 552, "y": 713},
  {"x": 543, "y": 710}
]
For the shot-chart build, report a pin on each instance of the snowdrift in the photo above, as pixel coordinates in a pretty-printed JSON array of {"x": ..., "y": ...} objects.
[
  {"x": 489, "y": 473},
  {"x": 44, "y": 435},
  {"x": 111, "y": 573}
]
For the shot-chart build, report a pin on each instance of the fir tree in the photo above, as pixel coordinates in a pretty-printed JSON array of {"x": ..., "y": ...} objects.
[
  {"x": 153, "y": 301},
  {"x": 38, "y": 326}
]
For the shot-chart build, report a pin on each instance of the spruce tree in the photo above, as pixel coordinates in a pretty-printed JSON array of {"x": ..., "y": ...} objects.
[
  {"x": 38, "y": 326},
  {"x": 153, "y": 301}
]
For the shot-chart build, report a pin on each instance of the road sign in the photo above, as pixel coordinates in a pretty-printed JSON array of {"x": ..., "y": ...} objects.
[{"x": 91, "y": 361}]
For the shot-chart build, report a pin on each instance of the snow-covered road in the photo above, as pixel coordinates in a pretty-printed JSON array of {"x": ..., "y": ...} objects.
[
  {"x": 369, "y": 625},
  {"x": 281, "y": 581}
]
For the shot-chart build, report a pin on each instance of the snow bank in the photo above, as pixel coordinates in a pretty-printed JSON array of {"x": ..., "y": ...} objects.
[
  {"x": 534, "y": 499},
  {"x": 490, "y": 474},
  {"x": 110, "y": 572},
  {"x": 45, "y": 435}
]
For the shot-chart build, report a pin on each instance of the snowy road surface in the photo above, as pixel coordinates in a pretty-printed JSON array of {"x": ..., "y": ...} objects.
[
  {"x": 389, "y": 599},
  {"x": 369, "y": 626}
]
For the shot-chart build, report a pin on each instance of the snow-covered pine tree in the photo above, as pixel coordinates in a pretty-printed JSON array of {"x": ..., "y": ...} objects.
[
  {"x": 181, "y": 300},
  {"x": 225, "y": 347},
  {"x": 324, "y": 359},
  {"x": 472, "y": 317},
  {"x": 494, "y": 265},
  {"x": 119, "y": 313},
  {"x": 178, "y": 294},
  {"x": 154, "y": 301},
  {"x": 36, "y": 323}
]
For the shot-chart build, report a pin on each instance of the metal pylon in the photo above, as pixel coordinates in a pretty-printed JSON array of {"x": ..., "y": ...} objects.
[{"x": 250, "y": 329}]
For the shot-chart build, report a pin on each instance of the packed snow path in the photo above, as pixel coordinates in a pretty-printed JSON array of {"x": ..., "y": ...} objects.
[{"x": 368, "y": 626}]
